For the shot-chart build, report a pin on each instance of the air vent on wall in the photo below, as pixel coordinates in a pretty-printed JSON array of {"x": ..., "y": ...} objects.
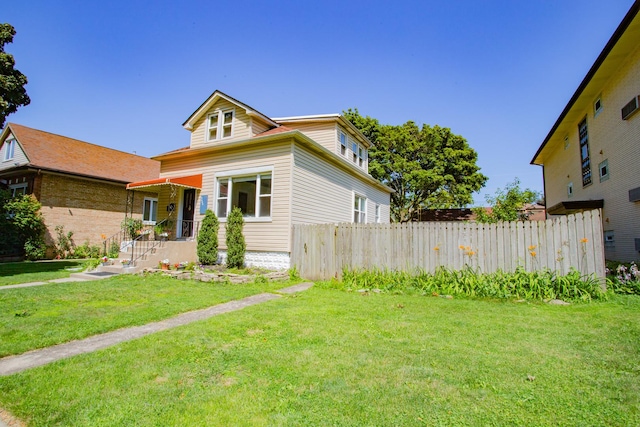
[{"x": 630, "y": 108}]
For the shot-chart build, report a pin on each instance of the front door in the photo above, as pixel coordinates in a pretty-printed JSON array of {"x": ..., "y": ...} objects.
[{"x": 188, "y": 208}]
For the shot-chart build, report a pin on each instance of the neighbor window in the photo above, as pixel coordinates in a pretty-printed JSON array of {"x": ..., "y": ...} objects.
[
  {"x": 597, "y": 106},
  {"x": 10, "y": 146},
  {"x": 150, "y": 210},
  {"x": 377, "y": 212},
  {"x": 584, "y": 153},
  {"x": 609, "y": 239},
  {"x": 603, "y": 167},
  {"x": 220, "y": 125},
  {"x": 359, "y": 209},
  {"x": 251, "y": 193},
  {"x": 354, "y": 151},
  {"x": 343, "y": 144},
  {"x": 18, "y": 189},
  {"x": 360, "y": 156}
]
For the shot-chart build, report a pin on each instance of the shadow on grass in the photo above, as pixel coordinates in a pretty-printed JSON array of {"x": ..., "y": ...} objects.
[{"x": 14, "y": 268}]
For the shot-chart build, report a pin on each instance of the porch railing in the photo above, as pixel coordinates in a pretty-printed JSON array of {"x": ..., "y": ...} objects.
[{"x": 189, "y": 229}]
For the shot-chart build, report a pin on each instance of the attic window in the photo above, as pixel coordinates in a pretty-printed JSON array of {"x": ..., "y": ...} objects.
[
  {"x": 220, "y": 125},
  {"x": 9, "y": 150}
]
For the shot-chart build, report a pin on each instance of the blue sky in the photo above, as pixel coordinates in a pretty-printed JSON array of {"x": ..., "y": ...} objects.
[{"x": 127, "y": 74}]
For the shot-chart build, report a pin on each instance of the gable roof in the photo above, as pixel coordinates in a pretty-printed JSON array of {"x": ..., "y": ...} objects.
[
  {"x": 212, "y": 99},
  {"x": 58, "y": 153},
  {"x": 622, "y": 42}
]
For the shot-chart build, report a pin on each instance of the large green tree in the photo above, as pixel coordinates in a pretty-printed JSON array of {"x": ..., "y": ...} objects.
[
  {"x": 12, "y": 82},
  {"x": 507, "y": 204},
  {"x": 429, "y": 167}
]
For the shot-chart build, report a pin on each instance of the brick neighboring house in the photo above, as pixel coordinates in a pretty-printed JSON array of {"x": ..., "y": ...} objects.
[
  {"x": 533, "y": 212},
  {"x": 591, "y": 154},
  {"x": 81, "y": 186}
]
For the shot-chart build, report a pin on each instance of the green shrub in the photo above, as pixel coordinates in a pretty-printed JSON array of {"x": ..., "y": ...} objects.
[
  {"x": 521, "y": 284},
  {"x": 22, "y": 226},
  {"x": 208, "y": 239},
  {"x": 81, "y": 251},
  {"x": 63, "y": 243},
  {"x": 114, "y": 250},
  {"x": 236, "y": 246},
  {"x": 132, "y": 226}
]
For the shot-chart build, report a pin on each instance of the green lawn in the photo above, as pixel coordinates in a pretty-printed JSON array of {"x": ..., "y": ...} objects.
[
  {"x": 13, "y": 273},
  {"x": 50, "y": 314},
  {"x": 327, "y": 357}
]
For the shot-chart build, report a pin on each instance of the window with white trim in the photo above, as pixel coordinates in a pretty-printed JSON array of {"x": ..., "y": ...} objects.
[
  {"x": 251, "y": 193},
  {"x": 609, "y": 239},
  {"x": 18, "y": 189},
  {"x": 9, "y": 149},
  {"x": 359, "y": 209},
  {"x": 354, "y": 151},
  {"x": 220, "y": 125},
  {"x": 377, "y": 212},
  {"x": 597, "y": 106},
  {"x": 343, "y": 143},
  {"x": 603, "y": 170},
  {"x": 150, "y": 210}
]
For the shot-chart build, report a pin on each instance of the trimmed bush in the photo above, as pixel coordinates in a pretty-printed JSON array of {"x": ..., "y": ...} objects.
[
  {"x": 236, "y": 246},
  {"x": 208, "y": 239}
]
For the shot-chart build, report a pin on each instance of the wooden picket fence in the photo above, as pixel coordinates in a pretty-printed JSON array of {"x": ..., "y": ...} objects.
[{"x": 323, "y": 251}]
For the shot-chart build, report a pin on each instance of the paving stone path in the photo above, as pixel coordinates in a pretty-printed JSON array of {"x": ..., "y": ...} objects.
[{"x": 14, "y": 364}]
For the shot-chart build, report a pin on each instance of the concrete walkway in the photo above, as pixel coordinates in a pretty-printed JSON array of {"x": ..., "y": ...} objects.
[
  {"x": 14, "y": 364},
  {"x": 75, "y": 277}
]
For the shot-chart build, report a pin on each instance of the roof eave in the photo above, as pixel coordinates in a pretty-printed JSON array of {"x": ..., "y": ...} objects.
[{"x": 617, "y": 34}]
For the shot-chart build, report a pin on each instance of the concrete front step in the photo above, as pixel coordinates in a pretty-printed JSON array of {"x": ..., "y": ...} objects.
[{"x": 175, "y": 252}]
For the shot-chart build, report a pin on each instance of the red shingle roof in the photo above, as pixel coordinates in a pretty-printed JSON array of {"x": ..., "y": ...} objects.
[
  {"x": 279, "y": 129},
  {"x": 59, "y": 153}
]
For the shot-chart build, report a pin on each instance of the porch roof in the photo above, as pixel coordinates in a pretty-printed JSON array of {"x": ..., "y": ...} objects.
[
  {"x": 191, "y": 181},
  {"x": 569, "y": 207}
]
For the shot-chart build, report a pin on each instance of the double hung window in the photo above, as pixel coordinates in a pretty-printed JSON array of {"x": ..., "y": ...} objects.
[
  {"x": 9, "y": 149},
  {"x": 359, "y": 209},
  {"x": 150, "y": 210},
  {"x": 220, "y": 125}
]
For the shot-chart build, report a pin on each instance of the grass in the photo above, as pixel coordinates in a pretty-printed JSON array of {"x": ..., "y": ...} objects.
[
  {"x": 327, "y": 357},
  {"x": 45, "y": 315},
  {"x": 13, "y": 273}
]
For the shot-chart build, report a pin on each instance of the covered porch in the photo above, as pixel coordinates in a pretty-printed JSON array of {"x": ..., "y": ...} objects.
[{"x": 170, "y": 215}]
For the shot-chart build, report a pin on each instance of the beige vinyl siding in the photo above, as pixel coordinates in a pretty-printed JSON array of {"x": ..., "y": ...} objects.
[
  {"x": 611, "y": 139},
  {"x": 323, "y": 192},
  {"x": 18, "y": 155},
  {"x": 324, "y": 133},
  {"x": 260, "y": 236},
  {"x": 241, "y": 125},
  {"x": 258, "y": 126}
]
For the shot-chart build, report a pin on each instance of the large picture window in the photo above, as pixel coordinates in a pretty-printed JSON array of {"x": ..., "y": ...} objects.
[{"x": 251, "y": 193}]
